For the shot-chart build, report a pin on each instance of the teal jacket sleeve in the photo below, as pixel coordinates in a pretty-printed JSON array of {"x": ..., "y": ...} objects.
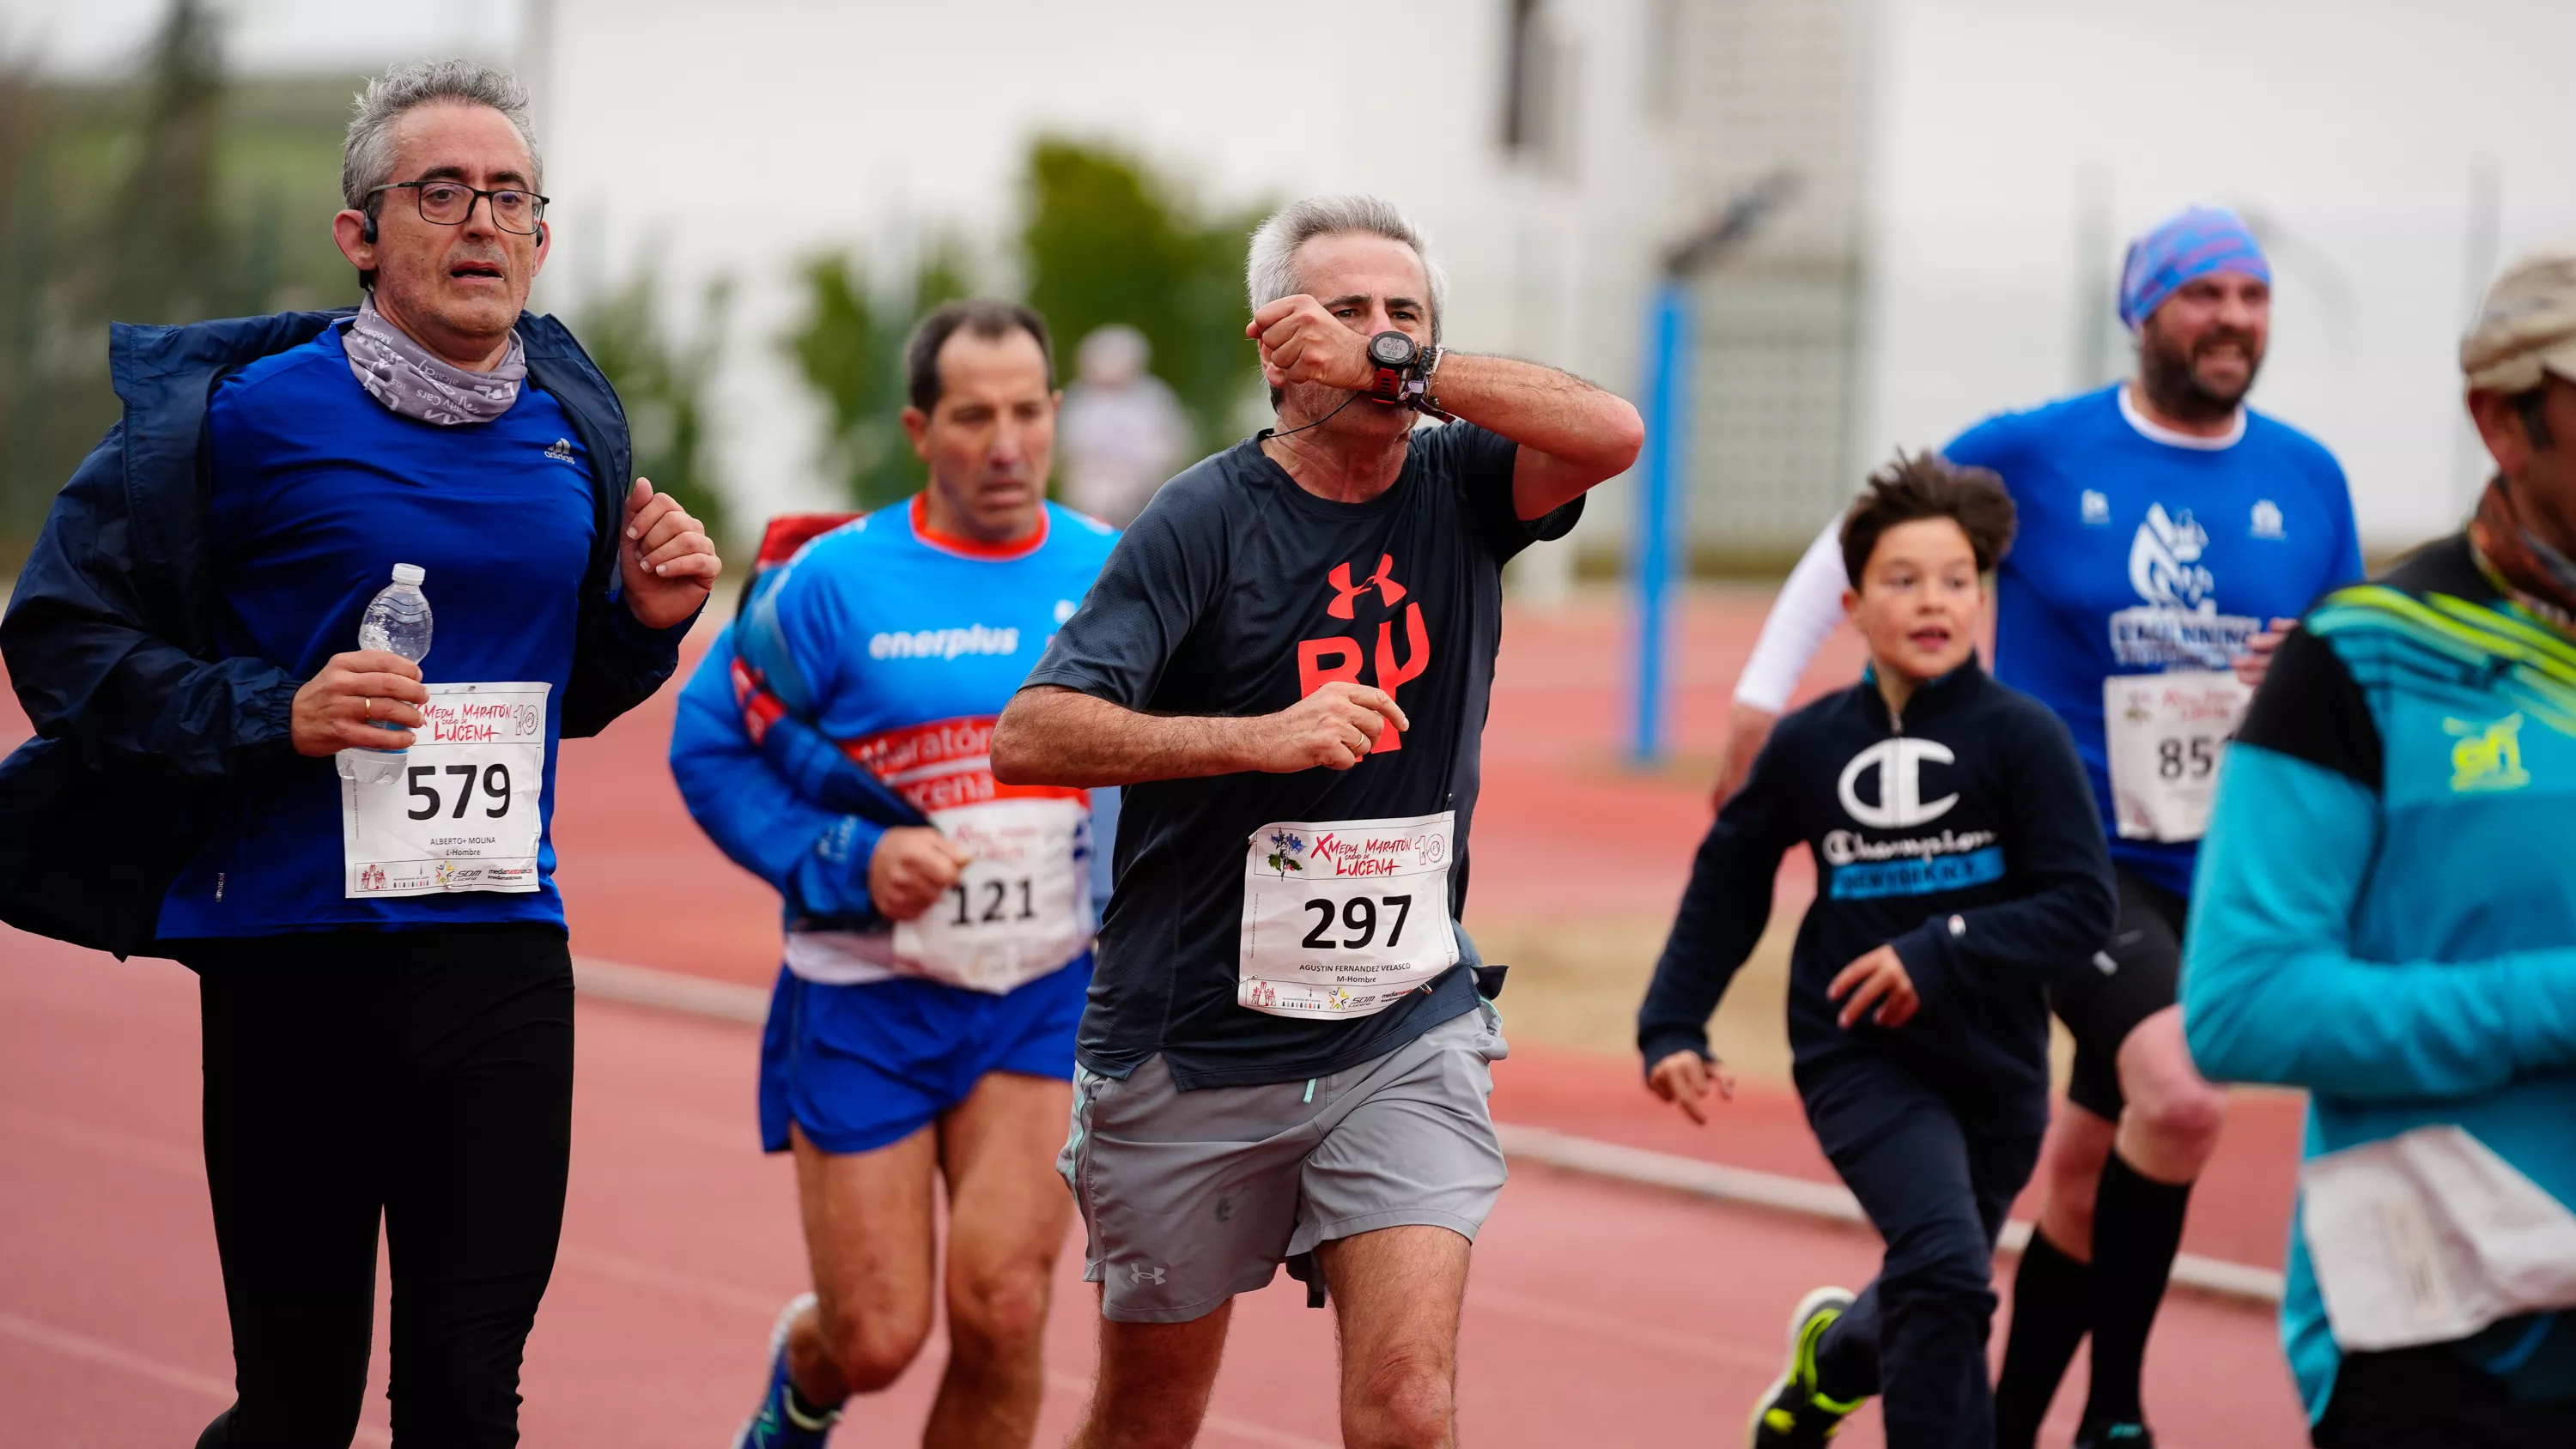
[{"x": 2272, "y": 991}]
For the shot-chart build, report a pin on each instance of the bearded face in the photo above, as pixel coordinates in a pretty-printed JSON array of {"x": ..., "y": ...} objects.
[{"x": 2199, "y": 351}]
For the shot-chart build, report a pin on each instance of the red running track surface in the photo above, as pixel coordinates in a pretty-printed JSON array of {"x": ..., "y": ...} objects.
[
  {"x": 1593, "y": 1305},
  {"x": 1596, "y": 1312}
]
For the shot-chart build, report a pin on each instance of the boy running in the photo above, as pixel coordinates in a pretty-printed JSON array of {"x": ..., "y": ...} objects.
[{"x": 1960, "y": 867}]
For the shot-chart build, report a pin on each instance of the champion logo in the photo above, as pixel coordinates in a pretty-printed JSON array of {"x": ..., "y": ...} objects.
[{"x": 560, "y": 450}]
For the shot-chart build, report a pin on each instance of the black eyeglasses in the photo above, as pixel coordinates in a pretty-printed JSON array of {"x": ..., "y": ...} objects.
[{"x": 449, "y": 203}]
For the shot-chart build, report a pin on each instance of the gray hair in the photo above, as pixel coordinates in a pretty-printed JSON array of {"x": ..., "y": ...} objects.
[
  {"x": 367, "y": 157},
  {"x": 1270, "y": 272}
]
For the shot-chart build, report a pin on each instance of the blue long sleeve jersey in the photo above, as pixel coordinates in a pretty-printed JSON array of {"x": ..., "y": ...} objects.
[
  {"x": 910, "y": 644},
  {"x": 2143, "y": 550},
  {"x": 1960, "y": 834},
  {"x": 2384, "y": 915}
]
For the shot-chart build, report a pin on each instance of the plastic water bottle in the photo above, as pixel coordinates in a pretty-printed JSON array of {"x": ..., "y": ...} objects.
[{"x": 397, "y": 622}]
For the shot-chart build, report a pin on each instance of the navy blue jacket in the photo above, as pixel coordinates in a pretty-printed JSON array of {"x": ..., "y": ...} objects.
[
  {"x": 110, "y": 644},
  {"x": 1963, "y": 834}
]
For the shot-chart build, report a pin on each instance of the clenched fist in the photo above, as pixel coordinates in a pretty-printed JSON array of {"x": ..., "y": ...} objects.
[
  {"x": 1334, "y": 727},
  {"x": 913, "y": 867},
  {"x": 332, "y": 711},
  {"x": 1301, "y": 342},
  {"x": 668, "y": 564}
]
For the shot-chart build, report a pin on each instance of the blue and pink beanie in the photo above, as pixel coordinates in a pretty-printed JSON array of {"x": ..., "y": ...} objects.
[{"x": 2198, "y": 242}]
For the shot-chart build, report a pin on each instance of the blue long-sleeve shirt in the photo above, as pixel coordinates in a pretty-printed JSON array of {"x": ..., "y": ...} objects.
[
  {"x": 2384, "y": 916},
  {"x": 908, "y": 646}
]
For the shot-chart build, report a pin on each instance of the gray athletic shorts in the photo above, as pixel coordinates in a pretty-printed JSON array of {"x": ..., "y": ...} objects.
[{"x": 1189, "y": 1198}]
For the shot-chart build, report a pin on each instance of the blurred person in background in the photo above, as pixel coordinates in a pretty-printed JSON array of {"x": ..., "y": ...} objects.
[
  {"x": 939, "y": 926},
  {"x": 1124, "y": 432},
  {"x": 387, "y": 1012},
  {"x": 1285, "y": 1057},
  {"x": 2375, "y": 925},
  {"x": 2167, "y": 529}
]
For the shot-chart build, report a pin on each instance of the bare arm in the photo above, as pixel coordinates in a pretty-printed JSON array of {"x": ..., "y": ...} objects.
[
  {"x": 1572, "y": 434},
  {"x": 1049, "y": 735}
]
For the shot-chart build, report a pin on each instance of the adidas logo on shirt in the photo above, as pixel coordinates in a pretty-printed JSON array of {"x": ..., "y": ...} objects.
[
  {"x": 560, "y": 450},
  {"x": 944, "y": 643}
]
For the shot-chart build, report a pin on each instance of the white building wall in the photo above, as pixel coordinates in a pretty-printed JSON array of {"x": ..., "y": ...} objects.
[
  {"x": 740, "y": 139},
  {"x": 2351, "y": 125}
]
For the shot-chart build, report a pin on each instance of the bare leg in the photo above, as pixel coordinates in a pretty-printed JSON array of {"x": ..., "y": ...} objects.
[
  {"x": 2070, "y": 1175},
  {"x": 868, "y": 1235},
  {"x": 1151, "y": 1390},
  {"x": 1007, "y": 1212},
  {"x": 1398, "y": 1292},
  {"x": 2174, "y": 1118}
]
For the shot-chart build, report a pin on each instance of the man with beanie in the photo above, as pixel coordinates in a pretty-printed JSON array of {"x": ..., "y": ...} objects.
[
  {"x": 385, "y": 986},
  {"x": 2168, "y": 533},
  {"x": 2381, "y": 922}
]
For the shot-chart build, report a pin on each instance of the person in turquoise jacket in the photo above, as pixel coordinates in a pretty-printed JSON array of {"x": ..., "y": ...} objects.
[{"x": 2385, "y": 919}]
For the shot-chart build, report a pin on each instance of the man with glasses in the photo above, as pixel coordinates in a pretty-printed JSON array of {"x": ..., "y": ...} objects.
[{"x": 385, "y": 986}]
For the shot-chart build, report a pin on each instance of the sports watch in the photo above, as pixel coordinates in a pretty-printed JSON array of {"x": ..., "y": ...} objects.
[{"x": 1403, "y": 376}]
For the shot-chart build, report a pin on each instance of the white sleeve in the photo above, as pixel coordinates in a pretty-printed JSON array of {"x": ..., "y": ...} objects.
[{"x": 1808, "y": 607}]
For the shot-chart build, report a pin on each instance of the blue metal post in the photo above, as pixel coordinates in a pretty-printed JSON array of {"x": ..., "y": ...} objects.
[{"x": 1660, "y": 509}]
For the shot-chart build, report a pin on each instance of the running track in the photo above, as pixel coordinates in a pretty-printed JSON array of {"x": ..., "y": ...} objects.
[{"x": 1597, "y": 1311}]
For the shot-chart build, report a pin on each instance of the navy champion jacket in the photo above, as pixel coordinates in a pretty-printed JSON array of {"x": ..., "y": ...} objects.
[
  {"x": 1963, "y": 834},
  {"x": 109, "y": 636}
]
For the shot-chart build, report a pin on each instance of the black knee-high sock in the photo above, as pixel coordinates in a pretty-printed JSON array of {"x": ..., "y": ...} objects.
[
  {"x": 2137, "y": 1227},
  {"x": 2051, "y": 1309}
]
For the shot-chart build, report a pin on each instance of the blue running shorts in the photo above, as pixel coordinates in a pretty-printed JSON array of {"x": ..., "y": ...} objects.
[{"x": 859, "y": 1067}]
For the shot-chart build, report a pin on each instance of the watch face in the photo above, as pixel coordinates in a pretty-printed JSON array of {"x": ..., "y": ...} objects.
[{"x": 1391, "y": 349}]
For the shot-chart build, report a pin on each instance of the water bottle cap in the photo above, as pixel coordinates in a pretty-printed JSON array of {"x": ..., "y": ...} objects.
[{"x": 409, "y": 573}]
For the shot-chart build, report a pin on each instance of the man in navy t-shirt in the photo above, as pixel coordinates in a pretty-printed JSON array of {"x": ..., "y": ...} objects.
[
  {"x": 2169, "y": 534},
  {"x": 386, "y": 988},
  {"x": 1288, "y": 658}
]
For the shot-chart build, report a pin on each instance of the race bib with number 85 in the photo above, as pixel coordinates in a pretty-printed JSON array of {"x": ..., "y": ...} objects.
[{"x": 2165, "y": 734}]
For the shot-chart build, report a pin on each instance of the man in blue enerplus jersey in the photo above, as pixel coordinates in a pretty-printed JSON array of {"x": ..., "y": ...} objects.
[
  {"x": 2169, "y": 533},
  {"x": 924, "y": 1021}
]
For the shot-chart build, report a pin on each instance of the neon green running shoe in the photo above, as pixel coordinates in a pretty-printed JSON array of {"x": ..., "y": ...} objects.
[{"x": 1792, "y": 1413}]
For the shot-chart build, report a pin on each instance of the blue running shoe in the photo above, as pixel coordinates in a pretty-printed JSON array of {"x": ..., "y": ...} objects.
[{"x": 778, "y": 1425}]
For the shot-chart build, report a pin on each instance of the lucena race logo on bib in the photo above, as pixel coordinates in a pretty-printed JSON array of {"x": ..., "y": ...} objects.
[
  {"x": 2178, "y": 625},
  {"x": 1341, "y": 656}
]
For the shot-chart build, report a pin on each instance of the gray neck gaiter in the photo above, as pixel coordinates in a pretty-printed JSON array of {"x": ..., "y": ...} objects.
[{"x": 401, "y": 374}]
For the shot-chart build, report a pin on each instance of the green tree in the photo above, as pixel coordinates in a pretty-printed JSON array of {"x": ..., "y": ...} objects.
[
  {"x": 168, "y": 256},
  {"x": 1104, "y": 239},
  {"x": 662, "y": 379},
  {"x": 850, "y": 349}
]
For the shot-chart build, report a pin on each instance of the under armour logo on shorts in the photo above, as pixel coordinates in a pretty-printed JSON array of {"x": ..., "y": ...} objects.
[{"x": 1145, "y": 1273}]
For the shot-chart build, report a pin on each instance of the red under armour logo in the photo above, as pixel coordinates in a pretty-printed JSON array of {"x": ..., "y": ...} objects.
[{"x": 1345, "y": 591}]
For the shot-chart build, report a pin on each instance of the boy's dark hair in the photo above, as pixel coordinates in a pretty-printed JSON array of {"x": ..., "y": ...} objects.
[
  {"x": 980, "y": 316},
  {"x": 1924, "y": 485}
]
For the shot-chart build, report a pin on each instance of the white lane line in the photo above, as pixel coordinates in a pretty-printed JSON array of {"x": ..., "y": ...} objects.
[
  {"x": 1797, "y": 1196},
  {"x": 169, "y": 1375},
  {"x": 1549, "y": 1313}
]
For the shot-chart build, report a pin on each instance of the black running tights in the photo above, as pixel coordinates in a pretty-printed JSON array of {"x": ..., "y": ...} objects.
[{"x": 422, "y": 1075}]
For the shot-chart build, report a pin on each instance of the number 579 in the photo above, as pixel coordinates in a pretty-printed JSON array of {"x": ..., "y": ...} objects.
[{"x": 495, "y": 782}]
